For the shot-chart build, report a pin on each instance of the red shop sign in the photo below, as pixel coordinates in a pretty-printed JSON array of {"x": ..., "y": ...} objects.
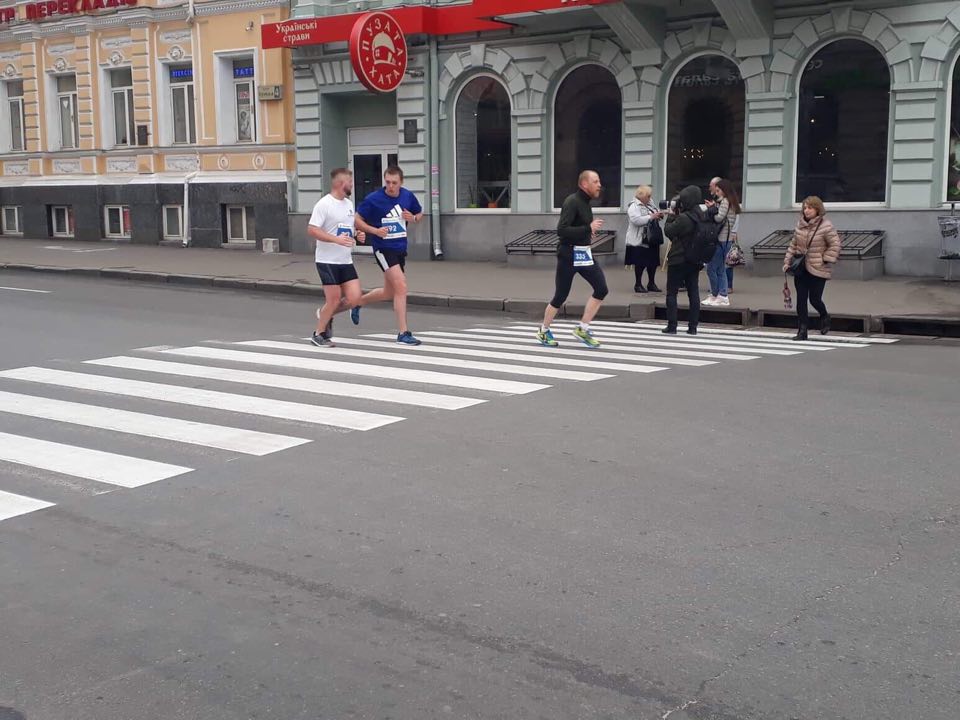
[{"x": 378, "y": 52}]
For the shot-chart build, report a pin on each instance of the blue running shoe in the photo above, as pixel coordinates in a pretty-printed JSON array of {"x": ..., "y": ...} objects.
[
  {"x": 355, "y": 315},
  {"x": 407, "y": 338}
]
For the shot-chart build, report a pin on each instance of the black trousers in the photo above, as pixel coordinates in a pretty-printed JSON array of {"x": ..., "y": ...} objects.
[
  {"x": 809, "y": 287},
  {"x": 566, "y": 272},
  {"x": 687, "y": 275},
  {"x": 645, "y": 259}
]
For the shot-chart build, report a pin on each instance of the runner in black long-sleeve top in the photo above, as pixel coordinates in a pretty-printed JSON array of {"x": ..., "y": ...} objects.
[{"x": 577, "y": 229}]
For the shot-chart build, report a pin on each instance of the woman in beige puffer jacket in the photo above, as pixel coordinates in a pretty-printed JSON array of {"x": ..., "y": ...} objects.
[{"x": 817, "y": 241}]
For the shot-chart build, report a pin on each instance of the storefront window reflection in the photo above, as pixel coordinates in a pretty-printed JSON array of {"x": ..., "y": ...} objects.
[
  {"x": 843, "y": 123},
  {"x": 705, "y": 124},
  {"x": 953, "y": 176},
  {"x": 587, "y": 122},
  {"x": 483, "y": 145}
]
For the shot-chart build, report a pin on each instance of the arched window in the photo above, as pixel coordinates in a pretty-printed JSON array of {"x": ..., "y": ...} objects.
[
  {"x": 484, "y": 155},
  {"x": 843, "y": 123},
  {"x": 953, "y": 171},
  {"x": 705, "y": 116},
  {"x": 588, "y": 122}
]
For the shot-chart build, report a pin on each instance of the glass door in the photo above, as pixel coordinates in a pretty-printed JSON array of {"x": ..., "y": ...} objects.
[{"x": 368, "y": 165}]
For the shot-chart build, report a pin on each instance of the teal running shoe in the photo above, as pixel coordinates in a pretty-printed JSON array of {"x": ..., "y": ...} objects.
[
  {"x": 546, "y": 338},
  {"x": 586, "y": 337}
]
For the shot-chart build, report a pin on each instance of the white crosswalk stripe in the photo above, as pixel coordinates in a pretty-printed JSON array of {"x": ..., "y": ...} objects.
[
  {"x": 222, "y": 437},
  {"x": 686, "y": 341},
  {"x": 470, "y": 339},
  {"x": 436, "y": 346},
  {"x": 840, "y": 339},
  {"x": 288, "y": 382},
  {"x": 248, "y": 404},
  {"x": 626, "y": 344},
  {"x": 104, "y": 467},
  {"x": 653, "y": 332},
  {"x": 430, "y": 360},
  {"x": 12, "y": 505},
  {"x": 384, "y": 372},
  {"x": 469, "y": 360}
]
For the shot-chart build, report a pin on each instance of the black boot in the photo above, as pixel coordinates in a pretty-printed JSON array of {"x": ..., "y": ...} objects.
[
  {"x": 692, "y": 330},
  {"x": 639, "y": 289},
  {"x": 652, "y": 287},
  {"x": 669, "y": 330},
  {"x": 824, "y": 324},
  {"x": 801, "y": 334}
]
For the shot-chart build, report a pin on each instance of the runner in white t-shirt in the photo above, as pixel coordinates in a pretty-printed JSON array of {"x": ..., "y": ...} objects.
[{"x": 332, "y": 226}]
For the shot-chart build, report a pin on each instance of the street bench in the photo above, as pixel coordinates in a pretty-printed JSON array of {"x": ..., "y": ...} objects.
[
  {"x": 535, "y": 245},
  {"x": 861, "y": 254}
]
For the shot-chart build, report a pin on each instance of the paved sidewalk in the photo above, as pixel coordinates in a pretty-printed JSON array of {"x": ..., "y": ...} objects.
[{"x": 488, "y": 286}]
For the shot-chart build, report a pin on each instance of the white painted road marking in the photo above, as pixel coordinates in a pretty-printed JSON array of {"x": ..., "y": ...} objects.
[
  {"x": 26, "y": 290},
  {"x": 12, "y": 505},
  {"x": 105, "y": 467},
  {"x": 212, "y": 399},
  {"x": 249, "y": 442},
  {"x": 675, "y": 341},
  {"x": 469, "y": 339},
  {"x": 675, "y": 351},
  {"x": 843, "y": 339},
  {"x": 436, "y": 345},
  {"x": 747, "y": 342},
  {"x": 286, "y": 382},
  {"x": 417, "y": 359},
  {"x": 376, "y": 371}
]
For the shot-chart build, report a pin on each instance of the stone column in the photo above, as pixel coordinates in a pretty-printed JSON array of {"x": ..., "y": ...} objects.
[
  {"x": 768, "y": 165},
  {"x": 915, "y": 168},
  {"x": 530, "y": 151}
]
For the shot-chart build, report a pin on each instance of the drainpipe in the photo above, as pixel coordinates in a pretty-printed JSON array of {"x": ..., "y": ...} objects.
[
  {"x": 433, "y": 184},
  {"x": 187, "y": 234}
]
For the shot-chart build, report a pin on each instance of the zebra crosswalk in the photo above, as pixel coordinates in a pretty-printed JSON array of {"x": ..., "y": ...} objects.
[{"x": 158, "y": 402}]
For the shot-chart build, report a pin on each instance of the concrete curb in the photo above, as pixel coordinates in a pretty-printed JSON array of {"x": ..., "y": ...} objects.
[{"x": 918, "y": 325}]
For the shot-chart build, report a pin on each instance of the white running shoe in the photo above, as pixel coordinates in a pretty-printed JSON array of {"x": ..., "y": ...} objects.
[
  {"x": 711, "y": 300},
  {"x": 722, "y": 301}
]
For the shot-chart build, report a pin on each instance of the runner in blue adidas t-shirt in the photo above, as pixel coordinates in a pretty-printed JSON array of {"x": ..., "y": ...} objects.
[{"x": 383, "y": 216}]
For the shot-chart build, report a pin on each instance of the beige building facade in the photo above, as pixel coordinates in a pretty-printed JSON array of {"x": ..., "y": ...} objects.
[{"x": 145, "y": 120}]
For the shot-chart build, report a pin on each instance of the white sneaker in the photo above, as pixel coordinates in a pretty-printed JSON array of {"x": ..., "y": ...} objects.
[
  {"x": 723, "y": 301},
  {"x": 712, "y": 300}
]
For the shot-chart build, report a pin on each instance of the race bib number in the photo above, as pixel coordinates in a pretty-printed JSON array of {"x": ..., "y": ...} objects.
[
  {"x": 344, "y": 230},
  {"x": 396, "y": 228},
  {"x": 582, "y": 256}
]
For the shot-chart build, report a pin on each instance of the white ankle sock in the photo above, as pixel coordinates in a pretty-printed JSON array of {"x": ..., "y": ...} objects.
[{"x": 585, "y": 326}]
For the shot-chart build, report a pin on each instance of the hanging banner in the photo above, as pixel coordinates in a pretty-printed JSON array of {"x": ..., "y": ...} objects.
[{"x": 378, "y": 52}]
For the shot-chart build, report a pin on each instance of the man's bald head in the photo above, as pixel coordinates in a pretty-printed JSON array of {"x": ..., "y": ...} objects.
[{"x": 589, "y": 182}]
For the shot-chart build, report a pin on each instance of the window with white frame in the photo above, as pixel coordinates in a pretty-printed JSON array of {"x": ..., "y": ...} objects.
[
  {"x": 116, "y": 220},
  {"x": 244, "y": 99},
  {"x": 173, "y": 222},
  {"x": 121, "y": 95},
  {"x": 236, "y": 224},
  {"x": 18, "y": 142},
  {"x": 61, "y": 220},
  {"x": 184, "y": 109},
  {"x": 11, "y": 220},
  {"x": 67, "y": 111}
]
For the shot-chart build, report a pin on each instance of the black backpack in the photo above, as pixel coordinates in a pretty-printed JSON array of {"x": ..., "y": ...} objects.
[{"x": 705, "y": 241}]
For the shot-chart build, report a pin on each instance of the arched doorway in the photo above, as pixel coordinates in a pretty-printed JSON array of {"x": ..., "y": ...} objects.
[
  {"x": 953, "y": 170},
  {"x": 588, "y": 127},
  {"x": 483, "y": 148},
  {"x": 705, "y": 124},
  {"x": 843, "y": 124}
]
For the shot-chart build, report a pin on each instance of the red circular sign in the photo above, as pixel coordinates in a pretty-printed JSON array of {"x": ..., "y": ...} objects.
[{"x": 378, "y": 51}]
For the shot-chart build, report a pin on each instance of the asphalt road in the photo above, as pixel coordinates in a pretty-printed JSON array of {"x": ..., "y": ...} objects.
[{"x": 746, "y": 540}]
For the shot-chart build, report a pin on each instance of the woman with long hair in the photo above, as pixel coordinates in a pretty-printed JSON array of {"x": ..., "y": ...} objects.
[
  {"x": 814, "y": 249},
  {"x": 727, "y": 212}
]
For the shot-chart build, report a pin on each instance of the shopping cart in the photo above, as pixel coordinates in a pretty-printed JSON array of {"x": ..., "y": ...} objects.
[{"x": 950, "y": 240}]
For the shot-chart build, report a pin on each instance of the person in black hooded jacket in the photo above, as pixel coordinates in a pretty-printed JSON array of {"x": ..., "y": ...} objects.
[{"x": 681, "y": 229}]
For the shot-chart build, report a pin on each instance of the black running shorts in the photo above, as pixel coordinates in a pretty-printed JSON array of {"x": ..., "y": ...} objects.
[
  {"x": 335, "y": 273},
  {"x": 387, "y": 258}
]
